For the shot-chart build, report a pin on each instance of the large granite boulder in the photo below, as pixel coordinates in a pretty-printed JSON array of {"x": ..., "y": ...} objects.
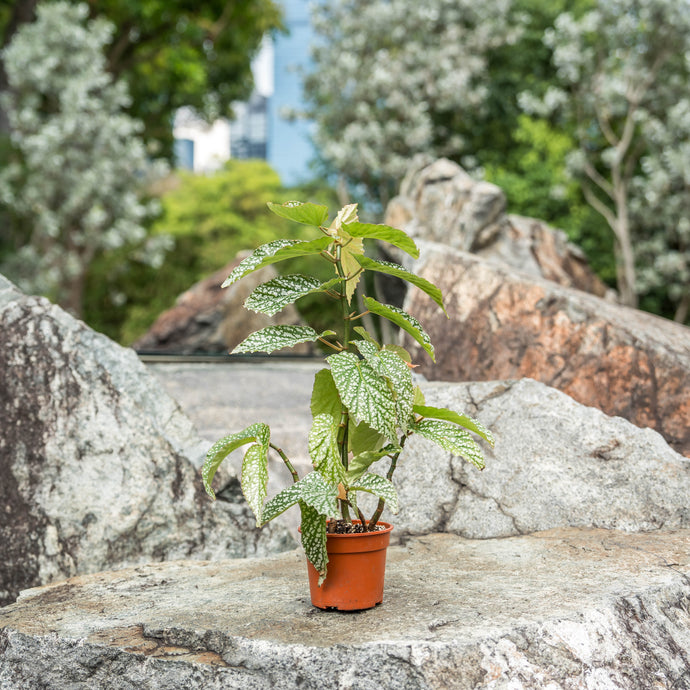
[
  {"x": 98, "y": 465},
  {"x": 555, "y": 464},
  {"x": 440, "y": 202},
  {"x": 565, "y": 609},
  {"x": 208, "y": 319},
  {"x": 505, "y": 325}
]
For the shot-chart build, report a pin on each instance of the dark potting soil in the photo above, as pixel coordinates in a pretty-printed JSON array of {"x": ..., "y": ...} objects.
[{"x": 342, "y": 527}]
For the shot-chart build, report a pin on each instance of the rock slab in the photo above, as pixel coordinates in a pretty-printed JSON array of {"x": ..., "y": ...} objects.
[
  {"x": 98, "y": 466},
  {"x": 560, "y": 609},
  {"x": 507, "y": 325}
]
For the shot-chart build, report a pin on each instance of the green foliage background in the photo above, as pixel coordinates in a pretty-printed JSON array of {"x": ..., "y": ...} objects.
[{"x": 209, "y": 218}]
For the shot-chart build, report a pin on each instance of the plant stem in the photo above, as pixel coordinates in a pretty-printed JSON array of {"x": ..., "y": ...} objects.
[
  {"x": 288, "y": 464},
  {"x": 389, "y": 476}
]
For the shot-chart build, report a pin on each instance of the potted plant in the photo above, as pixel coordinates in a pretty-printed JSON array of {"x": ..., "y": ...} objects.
[{"x": 364, "y": 405}]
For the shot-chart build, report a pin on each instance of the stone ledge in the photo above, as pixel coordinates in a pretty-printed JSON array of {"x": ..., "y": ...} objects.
[{"x": 565, "y": 608}]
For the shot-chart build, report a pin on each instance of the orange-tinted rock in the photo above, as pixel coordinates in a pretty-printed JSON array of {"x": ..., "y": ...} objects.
[
  {"x": 208, "y": 318},
  {"x": 506, "y": 325}
]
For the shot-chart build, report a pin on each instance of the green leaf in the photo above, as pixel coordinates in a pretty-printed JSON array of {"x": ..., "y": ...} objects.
[
  {"x": 400, "y": 351},
  {"x": 324, "y": 449},
  {"x": 379, "y": 486},
  {"x": 324, "y": 396},
  {"x": 272, "y": 253},
  {"x": 366, "y": 395},
  {"x": 321, "y": 495},
  {"x": 270, "y": 297},
  {"x": 366, "y": 335},
  {"x": 456, "y": 418},
  {"x": 403, "y": 320},
  {"x": 274, "y": 338},
  {"x": 349, "y": 260},
  {"x": 363, "y": 438},
  {"x": 418, "y": 397},
  {"x": 388, "y": 364},
  {"x": 221, "y": 449},
  {"x": 314, "y": 539},
  {"x": 255, "y": 478},
  {"x": 398, "y": 238},
  {"x": 361, "y": 462},
  {"x": 452, "y": 438},
  {"x": 305, "y": 213},
  {"x": 280, "y": 503},
  {"x": 400, "y": 272}
]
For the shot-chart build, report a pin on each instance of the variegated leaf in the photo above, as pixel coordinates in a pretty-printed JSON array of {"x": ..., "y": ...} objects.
[
  {"x": 316, "y": 492},
  {"x": 255, "y": 478},
  {"x": 255, "y": 259},
  {"x": 366, "y": 395},
  {"x": 221, "y": 449},
  {"x": 452, "y": 438},
  {"x": 273, "y": 253},
  {"x": 388, "y": 364},
  {"x": 324, "y": 449},
  {"x": 400, "y": 272},
  {"x": 456, "y": 418},
  {"x": 274, "y": 338},
  {"x": 305, "y": 213},
  {"x": 270, "y": 297},
  {"x": 398, "y": 238},
  {"x": 314, "y": 539},
  {"x": 403, "y": 320},
  {"x": 379, "y": 486},
  {"x": 280, "y": 503}
]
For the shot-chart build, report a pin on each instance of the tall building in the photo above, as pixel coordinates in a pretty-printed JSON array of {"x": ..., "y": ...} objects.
[
  {"x": 260, "y": 128},
  {"x": 289, "y": 145}
]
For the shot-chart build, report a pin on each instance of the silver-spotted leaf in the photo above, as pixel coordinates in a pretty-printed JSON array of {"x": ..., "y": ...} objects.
[
  {"x": 452, "y": 438},
  {"x": 280, "y": 503},
  {"x": 456, "y": 418},
  {"x": 305, "y": 213},
  {"x": 324, "y": 449},
  {"x": 366, "y": 395},
  {"x": 274, "y": 338},
  {"x": 313, "y": 529},
  {"x": 399, "y": 272},
  {"x": 389, "y": 364},
  {"x": 403, "y": 320},
  {"x": 221, "y": 449},
  {"x": 255, "y": 478},
  {"x": 380, "y": 487},
  {"x": 321, "y": 495},
  {"x": 270, "y": 297}
]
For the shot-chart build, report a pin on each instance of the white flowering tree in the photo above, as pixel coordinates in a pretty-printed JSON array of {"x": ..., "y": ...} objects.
[
  {"x": 623, "y": 71},
  {"x": 391, "y": 77},
  {"x": 79, "y": 163}
]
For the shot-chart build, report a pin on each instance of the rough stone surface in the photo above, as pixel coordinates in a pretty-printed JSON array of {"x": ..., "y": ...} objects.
[
  {"x": 209, "y": 319},
  {"x": 507, "y": 325},
  {"x": 561, "y": 609},
  {"x": 440, "y": 202},
  {"x": 97, "y": 463},
  {"x": 556, "y": 463}
]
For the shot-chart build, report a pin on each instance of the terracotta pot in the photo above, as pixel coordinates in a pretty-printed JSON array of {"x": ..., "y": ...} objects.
[{"x": 356, "y": 568}]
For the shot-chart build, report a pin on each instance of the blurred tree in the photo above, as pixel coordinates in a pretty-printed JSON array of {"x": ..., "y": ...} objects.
[
  {"x": 172, "y": 53},
  {"x": 393, "y": 78},
  {"x": 622, "y": 73},
  {"x": 78, "y": 161}
]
